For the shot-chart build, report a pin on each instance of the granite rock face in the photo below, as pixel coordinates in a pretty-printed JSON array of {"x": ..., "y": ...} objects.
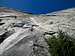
[
  {"x": 64, "y": 20},
  {"x": 22, "y": 34}
]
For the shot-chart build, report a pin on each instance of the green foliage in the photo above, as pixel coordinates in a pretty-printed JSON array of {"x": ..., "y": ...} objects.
[{"x": 62, "y": 45}]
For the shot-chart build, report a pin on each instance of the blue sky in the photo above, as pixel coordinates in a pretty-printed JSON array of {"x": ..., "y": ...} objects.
[{"x": 38, "y": 6}]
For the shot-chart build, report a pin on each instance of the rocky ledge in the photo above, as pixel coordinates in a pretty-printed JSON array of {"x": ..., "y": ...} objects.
[{"x": 22, "y": 34}]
